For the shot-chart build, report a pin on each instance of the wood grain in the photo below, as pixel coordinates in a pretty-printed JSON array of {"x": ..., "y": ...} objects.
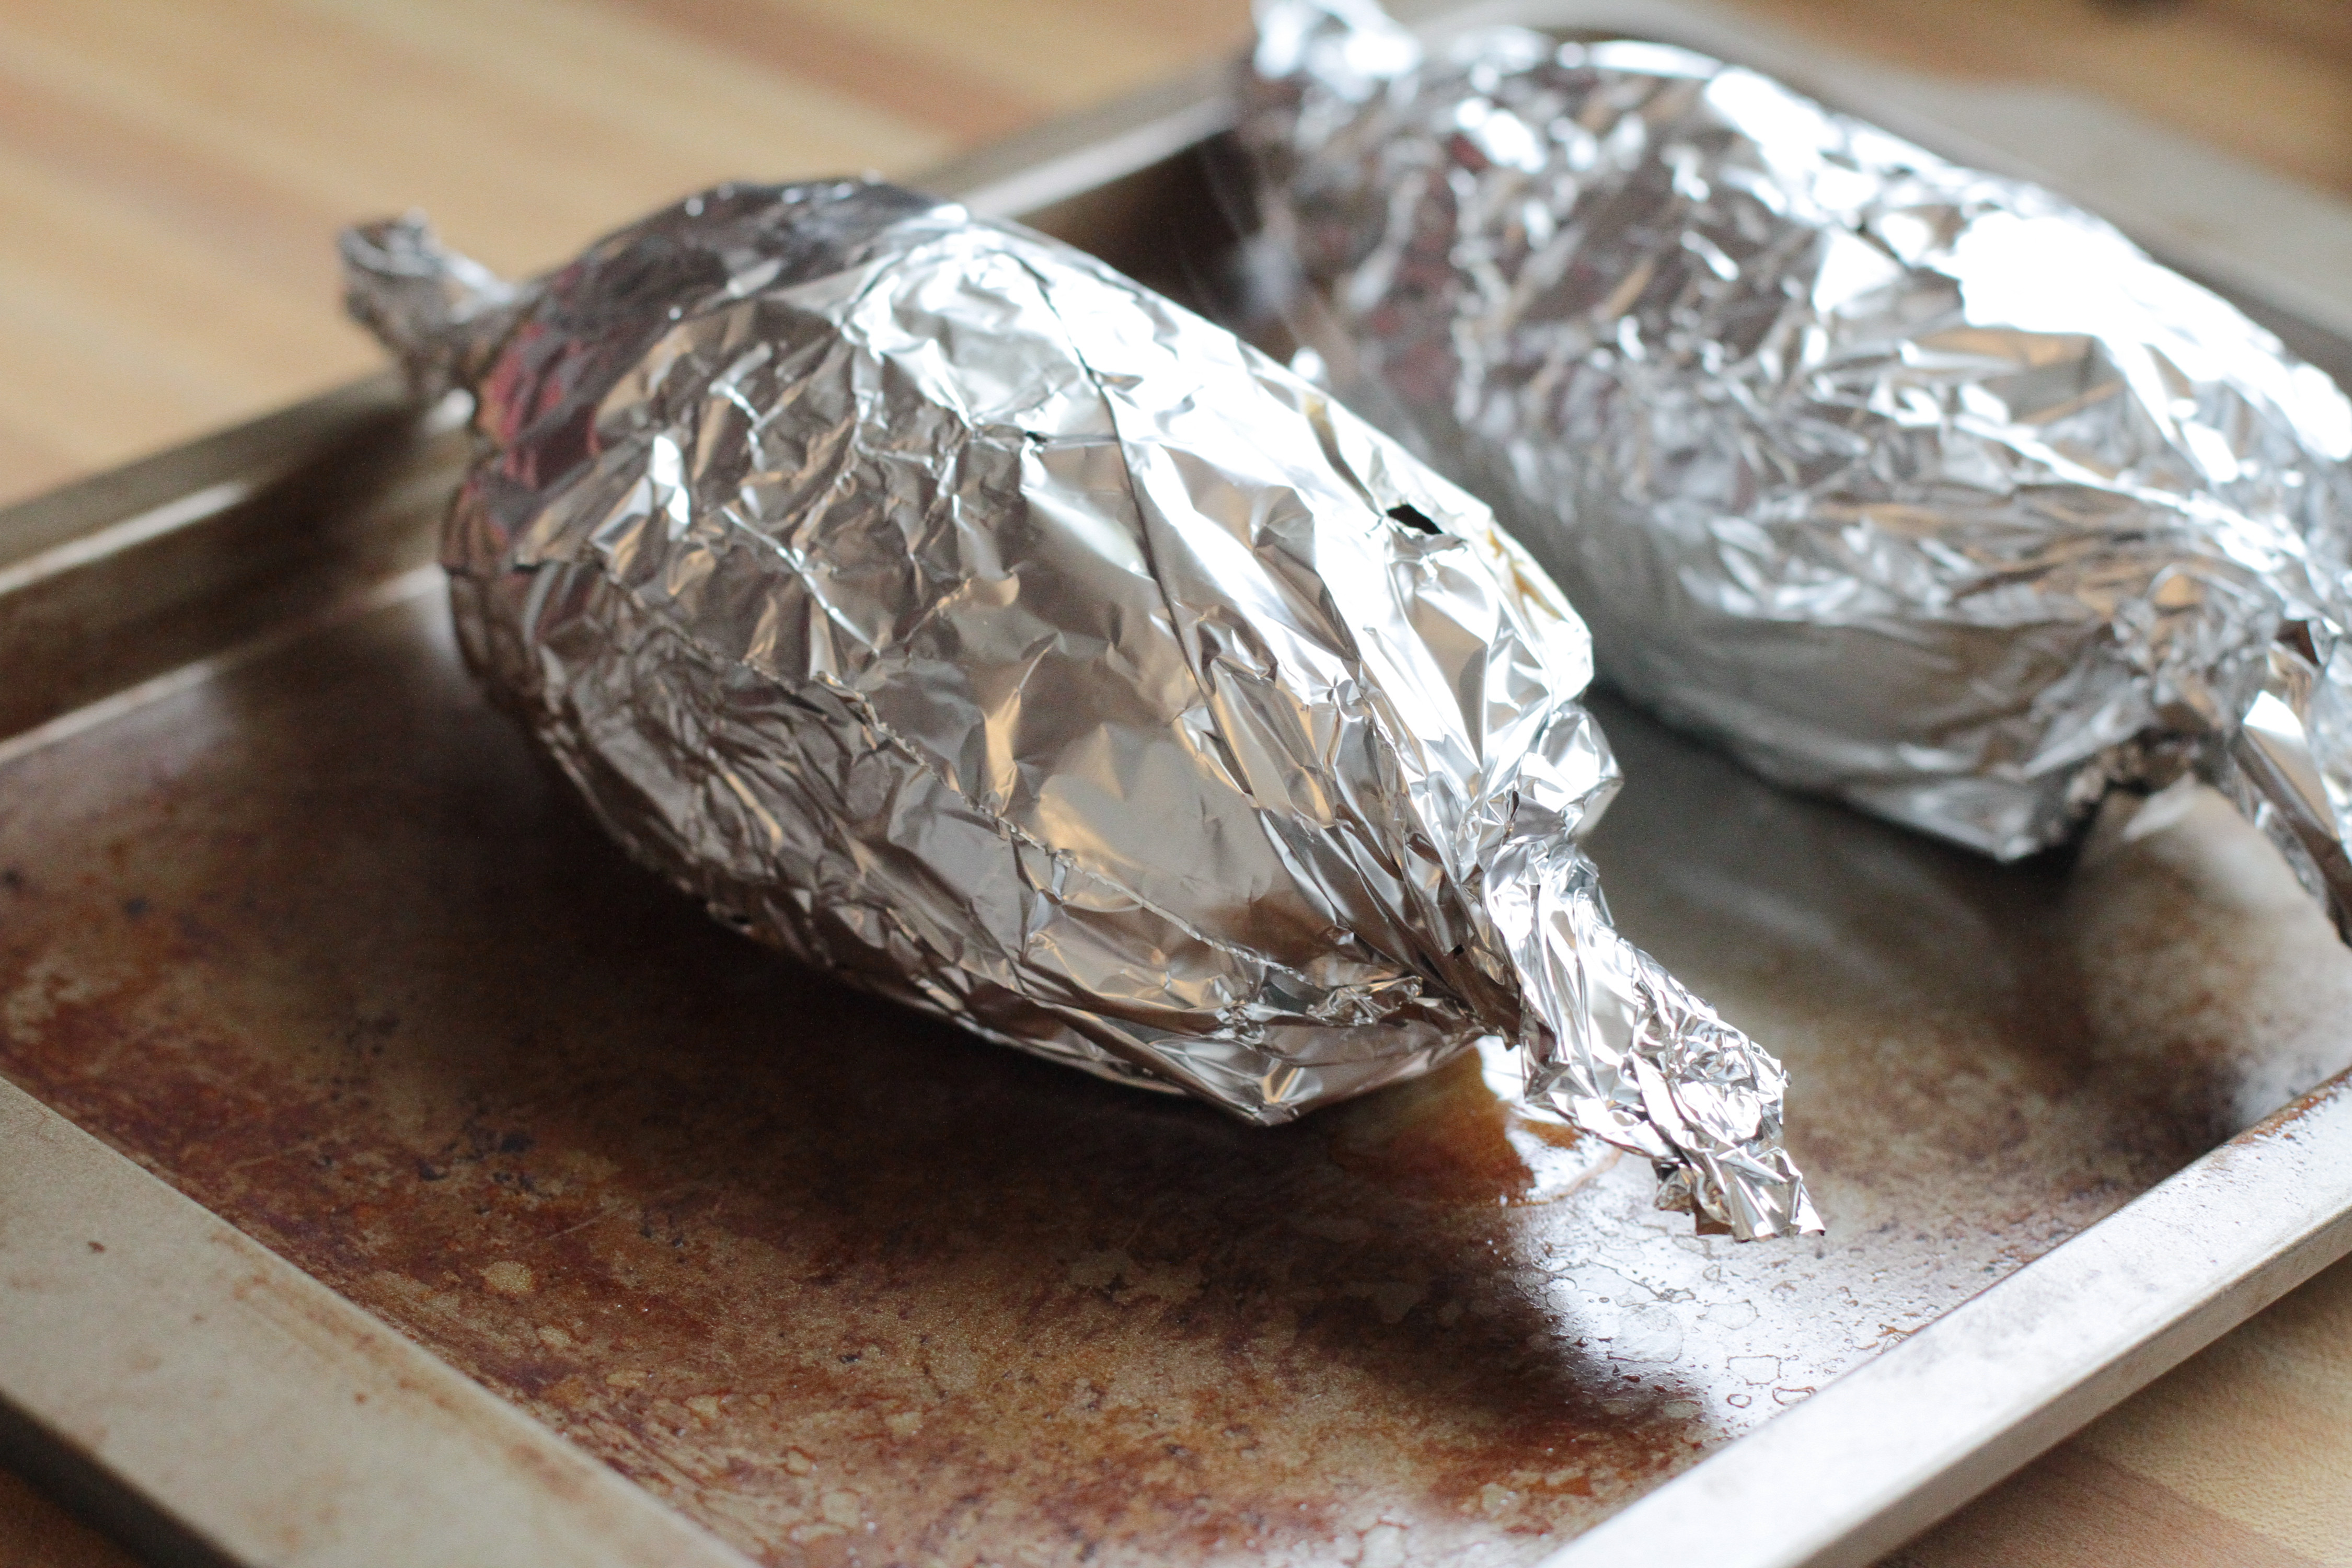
[
  {"x": 2269, "y": 79},
  {"x": 171, "y": 172},
  {"x": 2240, "y": 1458}
]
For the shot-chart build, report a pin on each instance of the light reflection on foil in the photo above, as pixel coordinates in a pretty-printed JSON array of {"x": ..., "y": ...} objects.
[
  {"x": 941, "y": 606},
  {"x": 1537, "y": 1134},
  {"x": 1903, "y": 482}
]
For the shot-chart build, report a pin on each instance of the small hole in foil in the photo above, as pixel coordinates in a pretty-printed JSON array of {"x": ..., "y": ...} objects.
[{"x": 1414, "y": 518}]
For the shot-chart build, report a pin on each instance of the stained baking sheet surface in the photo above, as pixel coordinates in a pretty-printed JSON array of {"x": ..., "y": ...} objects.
[
  {"x": 319, "y": 943},
  {"x": 314, "y": 939}
]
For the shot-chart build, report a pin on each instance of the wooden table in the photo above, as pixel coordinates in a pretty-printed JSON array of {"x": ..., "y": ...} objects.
[{"x": 171, "y": 172}]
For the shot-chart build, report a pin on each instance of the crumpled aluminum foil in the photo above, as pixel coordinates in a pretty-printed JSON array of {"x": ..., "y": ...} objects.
[
  {"x": 1903, "y": 482},
  {"x": 952, "y": 613}
]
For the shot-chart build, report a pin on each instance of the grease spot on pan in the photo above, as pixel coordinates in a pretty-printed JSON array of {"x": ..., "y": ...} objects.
[{"x": 1459, "y": 1137}]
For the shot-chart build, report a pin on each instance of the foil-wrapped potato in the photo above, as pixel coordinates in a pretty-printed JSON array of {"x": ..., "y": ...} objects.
[
  {"x": 1905, "y": 482},
  {"x": 948, "y": 610}
]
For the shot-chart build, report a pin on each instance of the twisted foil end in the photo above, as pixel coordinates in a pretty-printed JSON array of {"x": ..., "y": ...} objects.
[
  {"x": 1618, "y": 1046},
  {"x": 431, "y": 306},
  {"x": 2287, "y": 765}
]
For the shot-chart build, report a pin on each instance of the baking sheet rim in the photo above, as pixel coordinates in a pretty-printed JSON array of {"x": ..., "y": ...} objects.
[{"x": 1999, "y": 1379}]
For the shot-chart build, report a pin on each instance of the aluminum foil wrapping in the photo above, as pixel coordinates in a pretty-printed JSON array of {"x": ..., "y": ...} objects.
[
  {"x": 941, "y": 607},
  {"x": 1903, "y": 481}
]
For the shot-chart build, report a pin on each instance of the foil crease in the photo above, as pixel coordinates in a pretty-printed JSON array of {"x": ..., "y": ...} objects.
[
  {"x": 938, "y": 606},
  {"x": 1903, "y": 482}
]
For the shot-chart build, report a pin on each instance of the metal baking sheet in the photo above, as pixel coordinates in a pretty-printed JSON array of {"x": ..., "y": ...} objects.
[{"x": 291, "y": 920}]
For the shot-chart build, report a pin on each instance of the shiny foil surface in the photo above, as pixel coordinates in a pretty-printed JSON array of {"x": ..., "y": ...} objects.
[
  {"x": 948, "y": 610},
  {"x": 1903, "y": 482}
]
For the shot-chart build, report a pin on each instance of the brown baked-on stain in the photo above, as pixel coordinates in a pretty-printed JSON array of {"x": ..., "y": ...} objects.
[
  {"x": 1457, "y": 1137},
  {"x": 321, "y": 945}
]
